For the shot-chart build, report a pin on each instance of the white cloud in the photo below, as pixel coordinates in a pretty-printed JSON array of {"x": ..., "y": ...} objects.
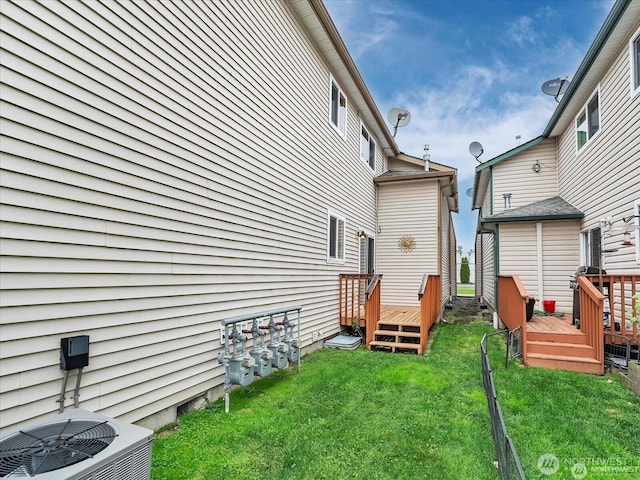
[{"x": 522, "y": 31}]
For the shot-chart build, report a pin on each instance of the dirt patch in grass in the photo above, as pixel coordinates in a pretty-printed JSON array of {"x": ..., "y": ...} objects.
[{"x": 464, "y": 311}]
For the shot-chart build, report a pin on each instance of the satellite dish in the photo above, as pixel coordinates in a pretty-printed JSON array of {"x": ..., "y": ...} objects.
[
  {"x": 475, "y": 149},
  {"x": 398, "y": 118},
  {"x": 555, "y": 87},
  {"x": 470, "y": 192}
]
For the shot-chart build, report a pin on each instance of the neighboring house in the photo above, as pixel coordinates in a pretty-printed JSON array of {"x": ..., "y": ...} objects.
[
  {"x": 541, "y": 203},
  {"x": 168, "y": 166}
]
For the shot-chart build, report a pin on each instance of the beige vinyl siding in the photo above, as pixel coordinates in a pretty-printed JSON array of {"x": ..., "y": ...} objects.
[
  {"x": 407, "y": 208},
  {"x": 516, "y": 176},
  {"x": 602, "y": 180},
  {"x": 561, "y": 257},
  {"x": 163, "y": 167},
  {"x": 557, "y": 255},
  {"x": 453, "y": 269},
  {"x": 487, "y": 270},
  {"x": 518, "y": 253}
]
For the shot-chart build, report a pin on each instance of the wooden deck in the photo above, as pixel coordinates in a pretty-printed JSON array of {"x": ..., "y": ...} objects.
[
  {"x": 551, "y": 324},
  {"x": 554, "y": 343},
  {"x": 398, "y": 330}
]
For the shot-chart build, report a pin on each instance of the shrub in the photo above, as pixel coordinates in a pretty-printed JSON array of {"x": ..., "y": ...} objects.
[{"x": 465, "y": 273}]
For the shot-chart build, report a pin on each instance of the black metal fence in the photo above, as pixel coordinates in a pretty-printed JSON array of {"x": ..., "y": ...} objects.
[
  {"x": 619, "y": 350},
  {"x": 508, "y": 462}
]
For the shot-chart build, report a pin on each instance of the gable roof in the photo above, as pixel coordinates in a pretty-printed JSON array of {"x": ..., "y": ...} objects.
[{"x": 554, "y": 208}]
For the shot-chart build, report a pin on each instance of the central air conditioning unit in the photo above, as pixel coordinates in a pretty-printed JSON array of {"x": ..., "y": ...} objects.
[{"x": 77, "y": 445}]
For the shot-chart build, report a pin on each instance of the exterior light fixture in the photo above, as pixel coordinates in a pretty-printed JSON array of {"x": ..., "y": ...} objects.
[
  {"x": 536, "y": 166},
  {"x": 362, "y": 234}
]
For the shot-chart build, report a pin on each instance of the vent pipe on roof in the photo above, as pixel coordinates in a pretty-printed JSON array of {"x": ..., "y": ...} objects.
[{"x": 426, "y": 157}]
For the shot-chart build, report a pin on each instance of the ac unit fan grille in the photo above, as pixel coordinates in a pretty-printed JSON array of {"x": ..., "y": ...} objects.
[{"x": 49, "y": 447}]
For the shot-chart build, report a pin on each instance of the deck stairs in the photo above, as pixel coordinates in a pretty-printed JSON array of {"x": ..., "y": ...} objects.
[
  {"x": 398, "y": 331},
  {"x": 561, "y": 350}
]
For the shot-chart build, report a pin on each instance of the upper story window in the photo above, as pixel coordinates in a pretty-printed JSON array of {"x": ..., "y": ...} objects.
[
  {"x": 335, "y": 238},
  {"x": 634, "y": 53},
  {"x": 588, "y": 121},
  {"x": 367, "y": 148},
  {"x": 338, "y": 108}
]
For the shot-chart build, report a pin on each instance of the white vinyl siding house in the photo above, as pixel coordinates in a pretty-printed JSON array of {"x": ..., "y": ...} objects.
[
  {"x": 403, "y": 270},
  {"x": 589, "y": 157},
  {"x": 165, "y": 167},
  {"x": 603, "y": 181},
  {"x": 518, "y": 178}
]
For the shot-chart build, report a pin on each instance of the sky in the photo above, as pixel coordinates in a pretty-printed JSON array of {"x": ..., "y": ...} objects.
[{"x": 467, "y": 70}]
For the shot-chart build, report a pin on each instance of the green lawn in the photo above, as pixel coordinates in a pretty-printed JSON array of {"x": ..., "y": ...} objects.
[
  {"x": 372, "y": 415},
  {"x": 466, "y": 289}
]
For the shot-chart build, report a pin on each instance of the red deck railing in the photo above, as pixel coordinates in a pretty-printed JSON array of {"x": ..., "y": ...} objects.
[
  {"x": 372, "y": 307},
  {"x": 352, "y": 298},
  {"x": 512, "y": 306},
  {"x": 591, "y": 314},
  {"x": 622, "y": 288},
  {"x": 430, "y": 304}
]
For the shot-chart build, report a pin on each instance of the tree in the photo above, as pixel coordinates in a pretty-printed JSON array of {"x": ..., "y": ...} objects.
[{"x": 465, "y": 273}]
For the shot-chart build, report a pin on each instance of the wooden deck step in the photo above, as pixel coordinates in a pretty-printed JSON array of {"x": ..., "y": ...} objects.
[
  {"x": 566, "y": 349},
  {"x": 576, "y": 337},
  {"x": 396, "y": 333},
  {"x": 564, "y": 362},
  {"x": 397, "y": 346}
]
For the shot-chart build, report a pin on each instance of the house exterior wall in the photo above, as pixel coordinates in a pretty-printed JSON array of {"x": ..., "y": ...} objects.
[
  {"x": 602, "y": 179},
  {"x": 516, "y": 176},
  {"x": 445, "y": 248},
  {"x": 544, "y": 255},
  {"x": 172, "y": 168},
  {"x": 407, "y": 208},
  {"x": 561, "y": 257}
]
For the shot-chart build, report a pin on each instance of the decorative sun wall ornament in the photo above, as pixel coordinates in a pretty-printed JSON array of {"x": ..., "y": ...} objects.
[{"x": 407, "y": 243}]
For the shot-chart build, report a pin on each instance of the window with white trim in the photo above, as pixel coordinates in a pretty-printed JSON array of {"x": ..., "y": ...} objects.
[
  {"x": 588, "y": 121},
  {"x": 634, "y": 61},
  {"x": 335, "y": 238},
  {"x": 367, "y": 148},
  {"x": 338, "y": 108}
]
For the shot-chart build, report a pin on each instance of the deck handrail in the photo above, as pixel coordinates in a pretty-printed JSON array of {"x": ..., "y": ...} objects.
[
  {"x": 622, "y": 288},
  {"x": 372, "y": 307},
  {"x": 591, "y": 314},
  {"x": 512, "y": 306},
  {"x": 352, "y": 296},
  {"x": 429, "y": 295}
]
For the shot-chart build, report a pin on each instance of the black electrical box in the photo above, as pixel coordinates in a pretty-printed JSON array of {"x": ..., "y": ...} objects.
[{"x": 74, "y": 352}]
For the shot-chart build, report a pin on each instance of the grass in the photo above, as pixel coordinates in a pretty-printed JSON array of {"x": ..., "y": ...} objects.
[
  {"x": 372, "y": 415},
  {"x": 466, "y": 289}
]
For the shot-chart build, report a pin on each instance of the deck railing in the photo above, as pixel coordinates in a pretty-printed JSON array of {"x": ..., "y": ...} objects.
[
  {"x": 352, "y": 298},
  {"x": 512, "y": 306},
  {"x": 591, "y": 314},
  {"x": 430, "y": 304},
  {"x": 372, "y": 307},
  {"x": 622, "y": 288}
]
